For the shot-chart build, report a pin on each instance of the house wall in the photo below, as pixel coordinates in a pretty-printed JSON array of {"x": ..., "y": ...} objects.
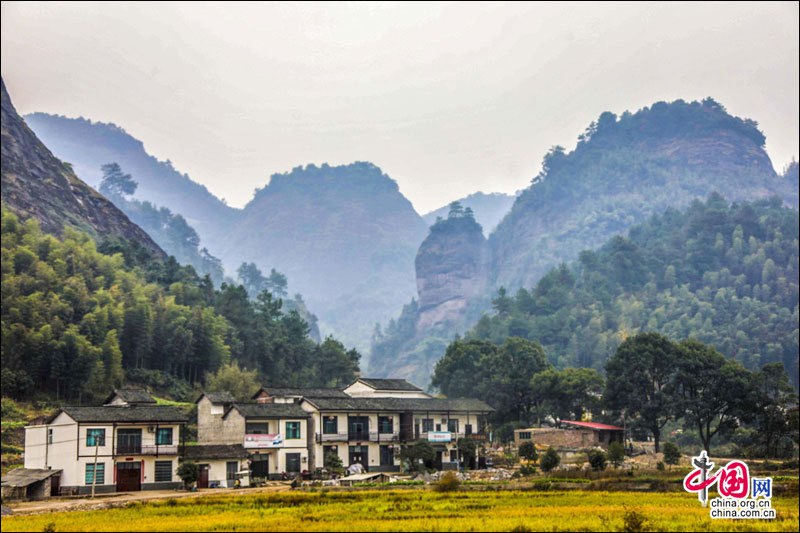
[
  {"x": 210, "y": 427},
  {"x": 70, "y": 453},
  {"x": 218, "y": 469},
  {"x": 559, "y": 438}
]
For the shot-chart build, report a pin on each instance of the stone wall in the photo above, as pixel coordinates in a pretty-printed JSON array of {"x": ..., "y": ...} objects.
[{"x": 559, "y": 438}]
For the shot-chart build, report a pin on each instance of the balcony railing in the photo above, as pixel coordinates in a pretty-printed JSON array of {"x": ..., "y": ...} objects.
[
  {"x": 148, "y": 449},
  {"x": 432, "y": 436},
  {"x": 358, "y": 436}
]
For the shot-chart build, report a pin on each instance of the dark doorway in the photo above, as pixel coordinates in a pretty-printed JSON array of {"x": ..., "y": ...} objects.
[
  {"x": 293, "y": 463},
  {"x": 129, "y": 476},
  {"x": 259, "y": 467},
  {"x": 55, "y": 484},
  {"x": 358, "y": 427},
  {"x": 359, "y": 454},
  {"x": 202, "y": 478}
]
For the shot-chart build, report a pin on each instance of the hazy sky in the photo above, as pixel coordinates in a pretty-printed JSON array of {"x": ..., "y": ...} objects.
[{"x": 447, "y": 98}]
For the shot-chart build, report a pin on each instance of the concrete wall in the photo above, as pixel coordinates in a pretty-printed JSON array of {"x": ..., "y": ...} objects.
[{"x": 210, "y": 428}]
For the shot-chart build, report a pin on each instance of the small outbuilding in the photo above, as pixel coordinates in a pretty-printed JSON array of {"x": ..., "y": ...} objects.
[
  {"x": 220, "y": 464},
  {"x": 368, "y": 477},
  {"x": 30, "y": 484},
  {"x": 573, "y": 435}
]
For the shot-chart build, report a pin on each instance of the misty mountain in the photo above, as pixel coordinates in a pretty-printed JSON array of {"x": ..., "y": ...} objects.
[
  {"x": 623, "y": 170},
  {"x": 489, "y": 209},
  {"x": 345, "y": 237},
  {"x": 37, "y": 185},
  {"x": 88, "y": 145}
]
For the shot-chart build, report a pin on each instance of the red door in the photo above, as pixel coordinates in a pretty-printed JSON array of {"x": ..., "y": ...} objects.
[
  {"x": 202, "y": 478},
  {"x": 129, "y": 476}
]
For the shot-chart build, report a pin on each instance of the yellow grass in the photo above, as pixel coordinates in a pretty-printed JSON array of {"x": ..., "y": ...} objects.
[{"x": 410, "y": 510}]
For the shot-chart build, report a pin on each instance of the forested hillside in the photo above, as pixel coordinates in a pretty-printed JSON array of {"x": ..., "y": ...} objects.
[
  {"x": 724, "y": 274},
  {"x": 624, "y": 169},
  {"x": 79, "y": 318}
]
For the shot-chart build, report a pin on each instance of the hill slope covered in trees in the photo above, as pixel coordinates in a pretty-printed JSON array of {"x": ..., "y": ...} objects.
[
  {"x": 623, "y": 170},
  {"x": 726, "y": 275},
  {"x": 78, "y": 318}
]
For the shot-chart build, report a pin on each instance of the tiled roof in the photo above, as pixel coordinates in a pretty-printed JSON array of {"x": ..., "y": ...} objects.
[
  {"x": 399, "y": 404},
  {"x": 123, "y": 413},
  {"x": 214, "y": 451},
  {"x": 269, "y": 410},
  {"x": 591, "y": 425},
  {"x": 132, "y": 396},
  {"x": 218, "y": 397},
  {"x": 22, "y": 477},
  {"x": 389, "y": 384},
  {"x": 305, "y": 392}
]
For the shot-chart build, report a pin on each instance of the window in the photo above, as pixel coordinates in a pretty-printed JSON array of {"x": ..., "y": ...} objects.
[
  {"x": 231, "y": 467},
  {"x": 330, "y": 424},
  {"x": 49, "y": 435},
  {"x": 453, "y": 455},
  {"x": 385, "y": 424},
  {"x": 164, "y": 436},
  {"x": 101, "y": 473},
  {"x": 452, "y": 425},
  {"x": 95, "y": 437},
  {"x": 387, "y": 455},
  {"x": 438, "y": 427},
  {"x": 468, "y": 429},
  {"x": 427, "y": 425},
  {"x": 292, "y": 430},
  {"x": 257, "y": 428},
  {"x": 524, "y": 435},
  {"x": 163, "y": 471},
  {"x": 129, "y": 441}
]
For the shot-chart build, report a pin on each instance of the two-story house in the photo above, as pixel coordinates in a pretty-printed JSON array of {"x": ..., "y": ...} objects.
[
  {"x": 368, "y": 421},
  {"x": 274, "y": 435},
  {"x": 127, "y": 444}
]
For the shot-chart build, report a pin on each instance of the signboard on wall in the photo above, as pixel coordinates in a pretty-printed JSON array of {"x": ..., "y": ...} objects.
[
  {"x": 439, "y": 436},
  {"x": 263, "y": 441}
]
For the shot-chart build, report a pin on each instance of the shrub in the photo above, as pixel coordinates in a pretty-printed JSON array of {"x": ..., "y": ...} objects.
[
  {"x": 447, "y": 483},
  {"x": 660, "y": 466},
  {"x": 672, "y": 454},
  {"x": 188, "y": 471},
  {"x": 527, "y": 470},
  {"x": 333, "y": 461},
  {"x": 597, "y": 459},
  {"x": 549, "y": 460},
  {"x": 616, "y": 453},
  {"x": 633, "y": 521},
  {"x": 49, "y": 527},
  {"x": 528, "y": 451}
]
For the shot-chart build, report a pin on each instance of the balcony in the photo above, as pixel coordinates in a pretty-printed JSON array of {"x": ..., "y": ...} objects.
[
  {"x": 148, "y": 449},
  {"x": 358, "y": 436}
]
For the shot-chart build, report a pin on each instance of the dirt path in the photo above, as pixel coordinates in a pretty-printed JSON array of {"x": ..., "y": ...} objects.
[{"x": 59, "y": 505}]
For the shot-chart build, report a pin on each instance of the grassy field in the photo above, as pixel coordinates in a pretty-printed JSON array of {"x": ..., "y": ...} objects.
[{"x": 413, "y": 510}]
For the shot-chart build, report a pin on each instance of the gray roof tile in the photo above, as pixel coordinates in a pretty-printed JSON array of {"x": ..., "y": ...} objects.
[
  {"x": 123, "y": 413},
  {"x": 214, "y": 451},
  {"x": 399, "y": 404},
  {"x": 269, "y": 410},
  {"x": 389, "y": 384}
]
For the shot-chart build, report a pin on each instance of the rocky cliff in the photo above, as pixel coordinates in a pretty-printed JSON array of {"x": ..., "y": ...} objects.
[
  {"x": 36, "y": 184},
  {"x": 452, "y": 267}
]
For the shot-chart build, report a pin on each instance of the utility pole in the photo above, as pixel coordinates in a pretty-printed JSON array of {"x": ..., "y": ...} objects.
[{"x": 94, "y": 470}]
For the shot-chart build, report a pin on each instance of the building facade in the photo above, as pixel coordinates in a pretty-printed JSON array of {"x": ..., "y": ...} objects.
[{"x": 117, "y": 447}]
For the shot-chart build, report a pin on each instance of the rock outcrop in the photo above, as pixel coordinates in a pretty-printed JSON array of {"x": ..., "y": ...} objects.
[
  {"x": 452, "y": 267},
  {"x": 36, "y": 184}
]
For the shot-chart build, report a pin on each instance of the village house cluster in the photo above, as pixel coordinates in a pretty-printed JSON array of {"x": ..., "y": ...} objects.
[{"x": 130, "y": 443}]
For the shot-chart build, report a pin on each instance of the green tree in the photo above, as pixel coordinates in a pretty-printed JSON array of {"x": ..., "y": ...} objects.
[
  {"x": 672, "y": 454},
  {"x": 775, "y": 398},
  {"x": 116, "y": 183},
  {"x": 240, "y": 382},
  {"x": 528, "y": 451},
  {"x": 188, "y": 471},
  {"x": 597, "y": 459},
  {"x": 639, "y": 380},
  {"x": 616, "y": 453},
  {"x": 549, "y": 460},
  {"x": 714, "y": 394}
]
